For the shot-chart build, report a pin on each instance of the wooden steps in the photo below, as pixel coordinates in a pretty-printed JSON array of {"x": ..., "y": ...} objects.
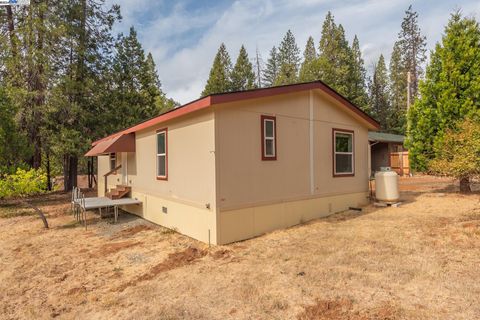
[{"x": 119, "y": 192}]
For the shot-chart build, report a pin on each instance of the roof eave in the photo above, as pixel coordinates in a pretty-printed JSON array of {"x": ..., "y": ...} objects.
[{"x": 220, "y": 98}]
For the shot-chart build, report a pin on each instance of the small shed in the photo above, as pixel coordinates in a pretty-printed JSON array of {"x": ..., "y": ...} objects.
[{"x": 388, "y": 150}]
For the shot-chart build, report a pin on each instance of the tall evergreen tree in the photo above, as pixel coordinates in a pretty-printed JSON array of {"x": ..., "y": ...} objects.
[
  {"x": 398, "y": 91},
  {"x": 379, "y": 96},
  {"x": 76, "y": 99},
  {"x": 289, "y": 59},
  {"x": 270, "y": 74},
  {"x": 135, "y": 81},
  {"x": 307, "y": 70},
  {"x": 450, "y": 92},
  {"x": 13, "y": 144},
  {"x": 219, "y": 79},
  {"x": 413, "y": 47},
  {"x": 57, "y": 71},
  {"x": 27, "y": 68},
  {"x": 243, "y": 77},
  {"x": 258, "y": 69},
  {"x": 357, "y": 92},
  {"x": 333, "y": 66}
]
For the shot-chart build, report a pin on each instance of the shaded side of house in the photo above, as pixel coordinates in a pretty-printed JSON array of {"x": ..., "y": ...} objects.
[{"x": 388, "y": 151}]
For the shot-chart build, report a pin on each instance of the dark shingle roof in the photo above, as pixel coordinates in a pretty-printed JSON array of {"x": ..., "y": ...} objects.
[{"x": 385, "y": 137}]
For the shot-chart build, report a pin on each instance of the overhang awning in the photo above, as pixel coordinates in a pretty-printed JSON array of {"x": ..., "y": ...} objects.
[
  {"x": 120, "y": 143},
  {"x": 385, "y": 137}
]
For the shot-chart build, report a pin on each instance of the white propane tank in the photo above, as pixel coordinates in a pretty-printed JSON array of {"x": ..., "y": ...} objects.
[{"x": 386, "y": 186}]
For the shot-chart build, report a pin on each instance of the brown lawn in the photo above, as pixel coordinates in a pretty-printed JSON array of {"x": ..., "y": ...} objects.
[{"x": 418, "y": 261}]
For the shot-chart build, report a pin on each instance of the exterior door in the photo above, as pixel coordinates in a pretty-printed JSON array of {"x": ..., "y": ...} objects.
[{"x": 124, "y": 168}]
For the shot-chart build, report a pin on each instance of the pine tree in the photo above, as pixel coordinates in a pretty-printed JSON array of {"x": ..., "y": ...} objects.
[
  {"x": 257, "y": 69},
  {"x": 77, "y": 98},
  {"x": 379, "y": 96},
  {"x": 243, "y": 77},
  {"x": 334, "y": 60},
  {"x": 219, "y": 79},
  {"x": 307, "y": 70},
  {"x": 13, "y": 144},
  {"x": 413, "y": 47},
  {"x": 450, "y": 91},
  {"x": 289, "y": 59},
  {"x": 152, "y": 84},
  {"x": 270, "y": 74},
  {"x": 398, "y": 92},
  {"x": 357, "y": 87},
  {"x": 137, "y": 86},
  {"x": 27, "y": 68},
  {"x": 57, "y": 72}
]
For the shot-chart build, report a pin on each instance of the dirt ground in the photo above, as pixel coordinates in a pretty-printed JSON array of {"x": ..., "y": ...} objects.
[{"x": 418, "y": 261}]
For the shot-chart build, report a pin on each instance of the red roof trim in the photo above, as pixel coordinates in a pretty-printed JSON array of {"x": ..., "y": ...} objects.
[
  {"x": 244, "y": 95},
  {"x": 177, "y": 112}
]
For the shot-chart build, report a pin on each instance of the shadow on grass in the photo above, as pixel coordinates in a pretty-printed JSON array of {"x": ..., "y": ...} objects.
[{"x": 12, "y": 212}]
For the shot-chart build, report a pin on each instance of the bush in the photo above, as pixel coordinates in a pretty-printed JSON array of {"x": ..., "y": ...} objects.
[
  {"x": 458, "y": 154},
  {"x": 23, "y": 183}
]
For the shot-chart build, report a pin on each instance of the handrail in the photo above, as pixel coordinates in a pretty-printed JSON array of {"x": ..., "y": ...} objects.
[{"x": 114, "y": 170}]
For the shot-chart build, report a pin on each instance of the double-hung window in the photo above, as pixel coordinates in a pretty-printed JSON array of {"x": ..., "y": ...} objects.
[
  {"x": 269, "y": 138},
  {"x": 343, "y": 153},
  {"x": 113, "y": 161},
  {"x": 162, "y": 154}
]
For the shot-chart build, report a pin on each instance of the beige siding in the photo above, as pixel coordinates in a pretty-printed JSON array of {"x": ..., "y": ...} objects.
[
  {"x": 214, "y": 159},
  {"x": 258, "y": 190},
  {"x": 190, "y": 187},
  {"x": 246, "y": 180},
  {"x": 249, "y": 222},
  {"x": 328, "y": 116}
]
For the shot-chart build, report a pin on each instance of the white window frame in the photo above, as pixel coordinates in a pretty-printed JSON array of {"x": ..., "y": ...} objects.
[
  {"x": 112, "y": 157},
  {"x": 164, "y": 154},
  {"x": 335, "y": 152},
  {"x": 273, "y": 138}
]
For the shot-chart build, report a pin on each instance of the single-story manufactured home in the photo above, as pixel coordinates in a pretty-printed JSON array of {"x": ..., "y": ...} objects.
[
  {"x": 232, "y": 166},
  {"x": 388, "y": 151}
]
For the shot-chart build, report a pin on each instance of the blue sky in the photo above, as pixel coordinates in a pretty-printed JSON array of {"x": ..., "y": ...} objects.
[{"x": 184, "y": 35}]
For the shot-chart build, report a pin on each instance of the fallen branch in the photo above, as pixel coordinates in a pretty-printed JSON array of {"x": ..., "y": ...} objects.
[{"x": 40, "y": 213}]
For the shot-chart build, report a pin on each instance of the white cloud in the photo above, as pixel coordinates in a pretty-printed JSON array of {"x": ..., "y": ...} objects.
[{"x": 185, "y": 41}]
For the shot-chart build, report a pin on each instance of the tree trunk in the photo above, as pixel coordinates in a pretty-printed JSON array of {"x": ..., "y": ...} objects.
[
  {"x": 465, "y": 185},
  {"x": 49, "y": 178},
  {"x": 91, "y": 172},
  {"x": 11, "y": 30},
  {"x": 70, "y": 168},
  {"x": 73, "y": 172},
  {"x": 37, "y": 148},
  {"x": 39, "y": 89}
]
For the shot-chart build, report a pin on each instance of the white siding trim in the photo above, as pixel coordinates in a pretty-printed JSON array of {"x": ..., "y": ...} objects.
[{"x": 311, "y": 127}]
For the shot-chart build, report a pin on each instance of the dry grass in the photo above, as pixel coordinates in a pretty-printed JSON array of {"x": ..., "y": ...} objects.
[{"x": 418, "y": 261}]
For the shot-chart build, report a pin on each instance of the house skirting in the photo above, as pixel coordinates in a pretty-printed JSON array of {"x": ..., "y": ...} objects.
[
  {"x": 241, "y": 224},
  {"x": 191, "y": 220},
  {"x": 233, "y": 225}
]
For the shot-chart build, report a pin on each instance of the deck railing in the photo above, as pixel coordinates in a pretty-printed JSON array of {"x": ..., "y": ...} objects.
[{"x": 105, "y": 176}]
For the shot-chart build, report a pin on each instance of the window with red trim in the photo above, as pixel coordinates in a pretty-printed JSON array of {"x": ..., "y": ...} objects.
[
  {"x": 162, "y": 154},
  {"x": 269, "y": 138}
]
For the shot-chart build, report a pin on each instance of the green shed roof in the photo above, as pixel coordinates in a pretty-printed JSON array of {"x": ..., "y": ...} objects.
[{"x": 385, "y": 137}]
